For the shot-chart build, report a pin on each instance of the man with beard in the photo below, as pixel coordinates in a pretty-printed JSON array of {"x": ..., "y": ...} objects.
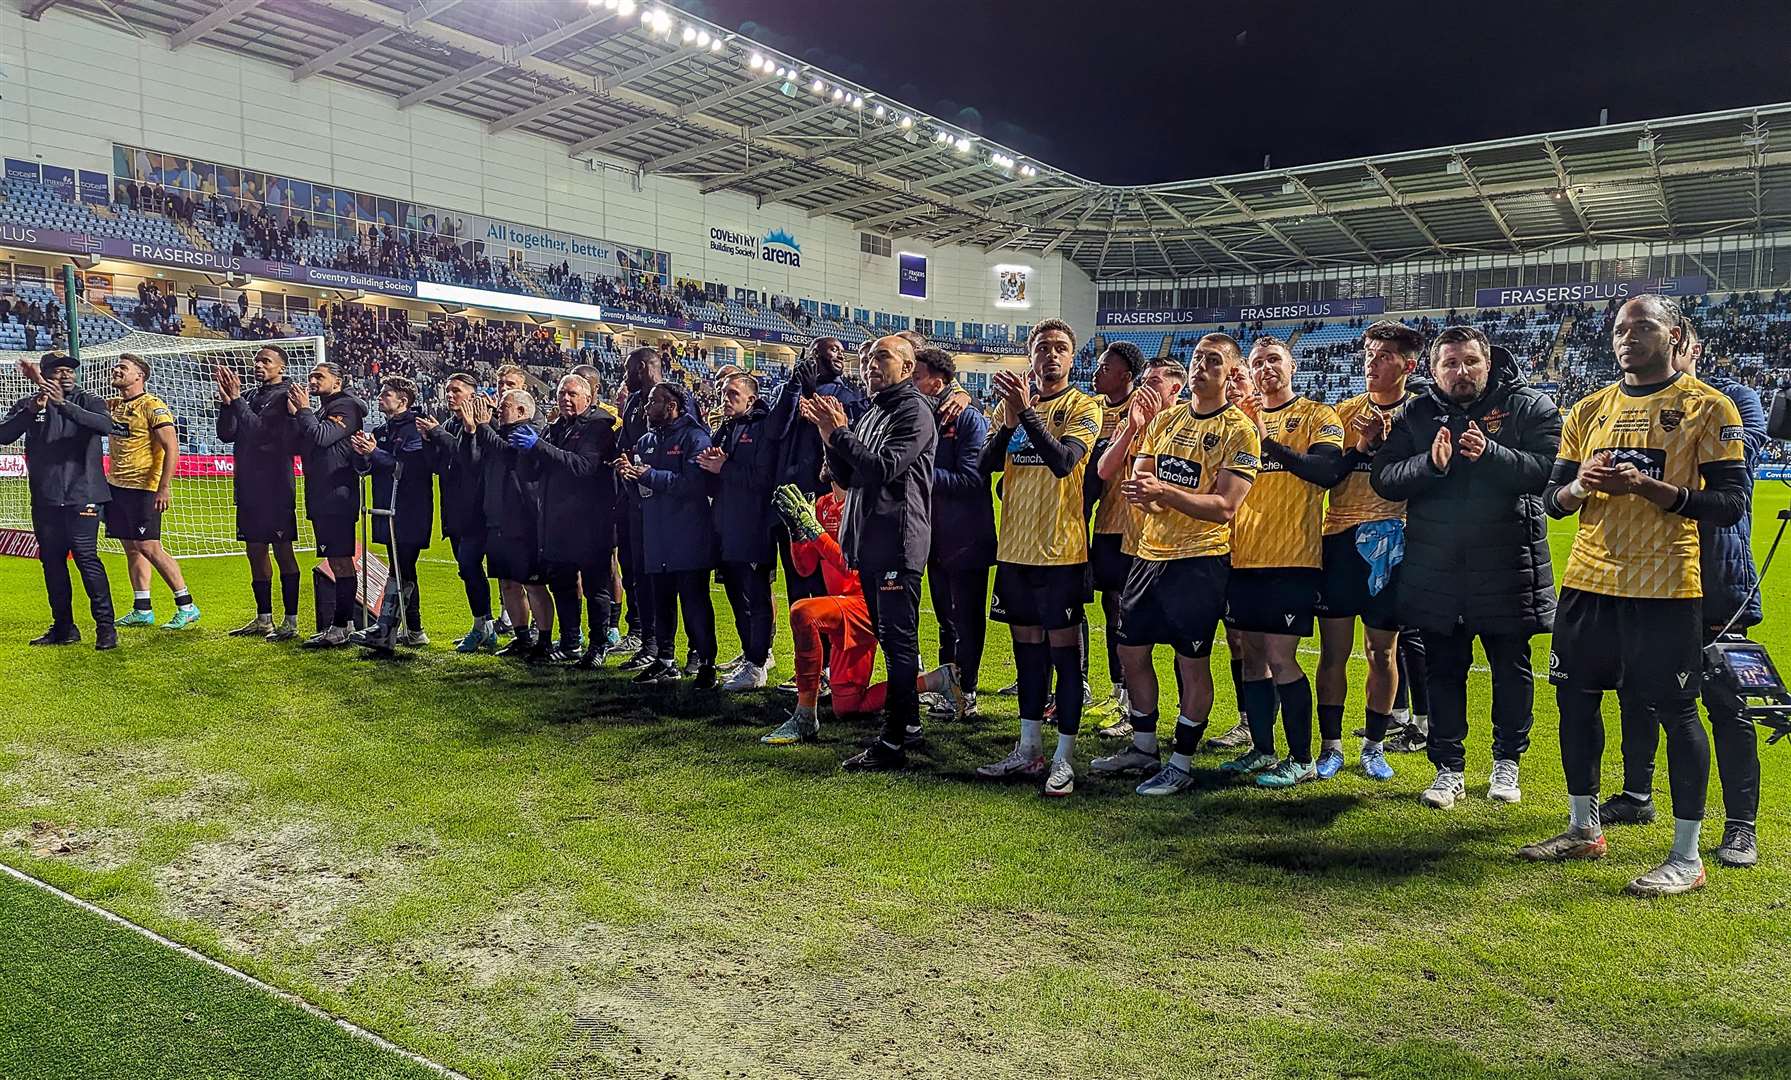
[
  {"x": 1643, "y": 462},
  {"x": 799, "y": 450},
  {"x": 264, "y": 488},
  {"x": 884, "y": 460},
  {"x": 739, "y": 465},
  {"x": 1041, "y": 446},
  {"x": 62, "y": 428},
  {"x": 570, "y": 462},
  {"x": 145, "y": 454},
  {"x": 1116, "y": 374},
  {"x": 332, "y": 484},
  {"x": 456, "y": 455},
  {"x": 678, "y": 537},
  {"x": 513, "y": 533},
  {"x": 641, "y": 373},
  {"x": 404, "y": 483},
  {"x": 963, "y": 524},
  {"x": 1470, "y": 459}
]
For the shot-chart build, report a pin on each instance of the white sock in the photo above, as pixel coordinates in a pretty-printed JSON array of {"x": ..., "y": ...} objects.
[
  {"x": 1421, "y": 721},
  {"x": 1330, "y": 744},
  {"x": 1181, "y": 762},
  {"x": 1370, "y": 746},
  {"x": 1145, "y": 741},
  {"x": 1066, "y": 747},
  {"x": 1582, "y": 812},
  {"x": 1402, "y": 716},
  {"x": 1685, "y": 839},
  {"x": 139, "y": 594},
  {"x": 1032, "y": 734},
  {"x": 1646, "y": 796}
]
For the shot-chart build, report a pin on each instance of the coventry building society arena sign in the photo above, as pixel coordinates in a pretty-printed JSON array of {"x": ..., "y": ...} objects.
[{"x": 776, "y": 246}]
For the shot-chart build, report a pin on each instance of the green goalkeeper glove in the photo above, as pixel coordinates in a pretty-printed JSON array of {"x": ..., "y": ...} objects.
[{"x": 798, "y": 515}]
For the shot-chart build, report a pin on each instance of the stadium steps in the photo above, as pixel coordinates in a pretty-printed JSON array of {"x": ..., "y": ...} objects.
[
  {"x": 190, "y": 326},
  {"x": 1294, "y": 338},
  {"x": 1558, "y": 352}
]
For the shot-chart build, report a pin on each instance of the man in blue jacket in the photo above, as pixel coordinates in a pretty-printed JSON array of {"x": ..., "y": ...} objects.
[
  {"x": 403, "y": 470},
  {"x": 739, "y": 467},
  {"x": 678, "y": 535},
  {"x": 1726, "y": 566},
  {"x": 963, "y": 535},
  {"x": 62, "y": 427},
  {"x": 332, "y": 484}
]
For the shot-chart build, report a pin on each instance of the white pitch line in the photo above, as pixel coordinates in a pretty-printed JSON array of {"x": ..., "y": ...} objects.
[{"x": 217, "y": 965}]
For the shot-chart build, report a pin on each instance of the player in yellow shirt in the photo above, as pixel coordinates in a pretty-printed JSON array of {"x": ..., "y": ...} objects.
[
  {"x": 1044, "y": 431},
  {"x": 1357, "y": 517},
  {"x": 1642, "y": 462},
  {"x": 1115, "y": 377},
  {"x": 1276, "y": 559},
  {"x": 1164, "y": 377},
  {"x": 144, "y": 452},
  {"x": 1188, "y": 468}
]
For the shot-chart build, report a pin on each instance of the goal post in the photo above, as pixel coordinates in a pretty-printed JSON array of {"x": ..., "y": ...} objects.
[{"x": 202, "y": 519}]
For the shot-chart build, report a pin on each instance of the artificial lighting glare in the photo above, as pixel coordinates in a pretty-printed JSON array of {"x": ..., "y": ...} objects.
[
  {"x": 757, "y": 61},
  {"x": 878, "y": 112},
  {"x": 783, "y": 73},
  {"x": 963, "y": 145},
  {"x": 715, "y": 46},
  {"x": 907, "y": 121},
  {"x": 690, "y": 34},
  {"x": 625, "y": 8},
  {"x": 838, "y": 93},
  {"x": 703, "y": 38},
  {"x": 858, "y": 103},
  {"x": 818, "y": 86}
]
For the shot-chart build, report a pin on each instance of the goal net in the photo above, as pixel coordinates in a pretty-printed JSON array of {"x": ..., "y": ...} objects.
[{"x": 202, "y": 518}]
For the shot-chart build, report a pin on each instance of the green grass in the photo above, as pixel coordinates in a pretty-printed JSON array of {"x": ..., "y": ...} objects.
[{"x": 532, "y": 874}]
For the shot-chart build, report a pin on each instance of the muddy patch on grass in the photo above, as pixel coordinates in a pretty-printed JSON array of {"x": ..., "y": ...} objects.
[
  {"x": 151, "y": 781},
  {"x": 285, "y": 884},
  {"x": 92, "y": 848}
]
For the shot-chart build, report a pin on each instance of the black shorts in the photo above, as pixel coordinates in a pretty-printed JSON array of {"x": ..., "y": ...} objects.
[
  {"x": 1174, "y": 602},
  {"x": 131, "y": 515},
  {"x": 1652, "y": 649},
  {"x": 514, "y": 558},
  {"x": 334, "y": 535},
  {"x": 1049, "y": 596},
  {"x": 1343, "y": 590},
  {"x": 267, "y": 523},
  {"x": 1272, "y": 600},
  {"x": 1107, "y": 564}
]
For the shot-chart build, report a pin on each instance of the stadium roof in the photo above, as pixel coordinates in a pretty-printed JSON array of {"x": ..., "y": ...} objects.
[{"x": 676, "y": 96}]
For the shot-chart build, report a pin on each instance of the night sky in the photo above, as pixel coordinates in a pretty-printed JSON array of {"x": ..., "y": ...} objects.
[{"x": 1125, "y": 91}]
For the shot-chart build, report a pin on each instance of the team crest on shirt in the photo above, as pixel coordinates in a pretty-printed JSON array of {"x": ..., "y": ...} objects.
[
  {"x": 1493, "y": 421},
  {"x": 1209, "y": 440},
  {"x": 1292, "y": 423},
  {"x": 1670, "y": 419}
]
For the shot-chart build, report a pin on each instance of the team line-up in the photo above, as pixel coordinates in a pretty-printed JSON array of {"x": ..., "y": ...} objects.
[{"x": 1194, "y": 500}]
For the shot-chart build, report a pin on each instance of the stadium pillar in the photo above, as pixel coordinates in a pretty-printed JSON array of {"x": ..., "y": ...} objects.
[{"x": 69, "y": 310}]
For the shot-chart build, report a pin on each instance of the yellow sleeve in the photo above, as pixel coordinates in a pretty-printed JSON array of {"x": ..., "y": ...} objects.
[
  {"x": 1327, "y": 427},
  {"x": 1721, "y": 438},
  {"x": 1243, "y": 451},
  {"x": 1085, "y": 423},
  {"x": 158, "y": 414},
  {"x": 1573, "y": 434}
]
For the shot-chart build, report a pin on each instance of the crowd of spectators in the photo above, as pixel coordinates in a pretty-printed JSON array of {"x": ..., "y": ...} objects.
[
  {"x": 40, "y": 321},
  {"x": 157, "y": 310}
]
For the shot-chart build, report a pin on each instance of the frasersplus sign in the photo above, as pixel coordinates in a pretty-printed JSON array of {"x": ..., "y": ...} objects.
[
  {"x": 1589, "y": 292},
  {"x": 218, "y": 262},
  {"x": 1312, "y": 309}
]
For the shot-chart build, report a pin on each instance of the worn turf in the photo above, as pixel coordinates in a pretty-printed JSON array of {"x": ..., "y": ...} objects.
[{"x": 527, "y": 873}]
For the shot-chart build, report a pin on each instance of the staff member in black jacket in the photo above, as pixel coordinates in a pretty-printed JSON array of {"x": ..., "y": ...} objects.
[
  {"x": 885, "y": 463},
  {"x": 62, "y": 427},
  {"x": 332, "y": 484},
  {"x": 641, "y": 374},
  {"x": 1471, "y": 457},
  {"x": 456, "y": 456},
  {"x": 265, "y": 491},
  {"x": 739, "y": 464},
  {"x": 570, "y": 461},
  {"x": 403, "y": 471},
  {"x": 513, "y": 527}
]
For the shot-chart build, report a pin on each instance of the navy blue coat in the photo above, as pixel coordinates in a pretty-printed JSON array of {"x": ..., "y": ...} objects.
[
  {"x": 799, "y": 449},
  {"x": 1726, "y": 553},
  {"x": 963, "y": 510},
  {"x": 458, "y": 463},
  {"x": 400, "y": 441},
  {"x": 674, "y": 499},
  {"x": 578, "y": 489},
  {"x": 742, "y": 490}
]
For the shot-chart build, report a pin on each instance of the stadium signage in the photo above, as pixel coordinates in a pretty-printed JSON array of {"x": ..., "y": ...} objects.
[
  {"x": 729, "y": 242},
  {"x": 781, "y": 248},
  {"x": 1313, "y": 309},
  {"x": 911, "y": 275},
  {"x": 1589, "y": 292}
]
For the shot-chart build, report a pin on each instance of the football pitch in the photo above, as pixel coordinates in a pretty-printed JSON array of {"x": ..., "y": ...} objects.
[{"x": 525, "y": 872}]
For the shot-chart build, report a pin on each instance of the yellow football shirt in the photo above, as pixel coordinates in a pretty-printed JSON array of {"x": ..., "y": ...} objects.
[
  {"x": 1112, "y": 510},
  {"x": 1627, "y": 546},
  {"x": 136, "y": 456},
  {"x": 1189, "y": 450},
  {"x": 1354, "y": 501},
  {"x": 1042, "y": 521},
  {"x": 1281, "y": 522}
]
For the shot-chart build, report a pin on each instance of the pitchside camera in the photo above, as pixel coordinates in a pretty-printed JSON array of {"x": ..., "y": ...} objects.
[{"x": 1778, "y": 420}]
